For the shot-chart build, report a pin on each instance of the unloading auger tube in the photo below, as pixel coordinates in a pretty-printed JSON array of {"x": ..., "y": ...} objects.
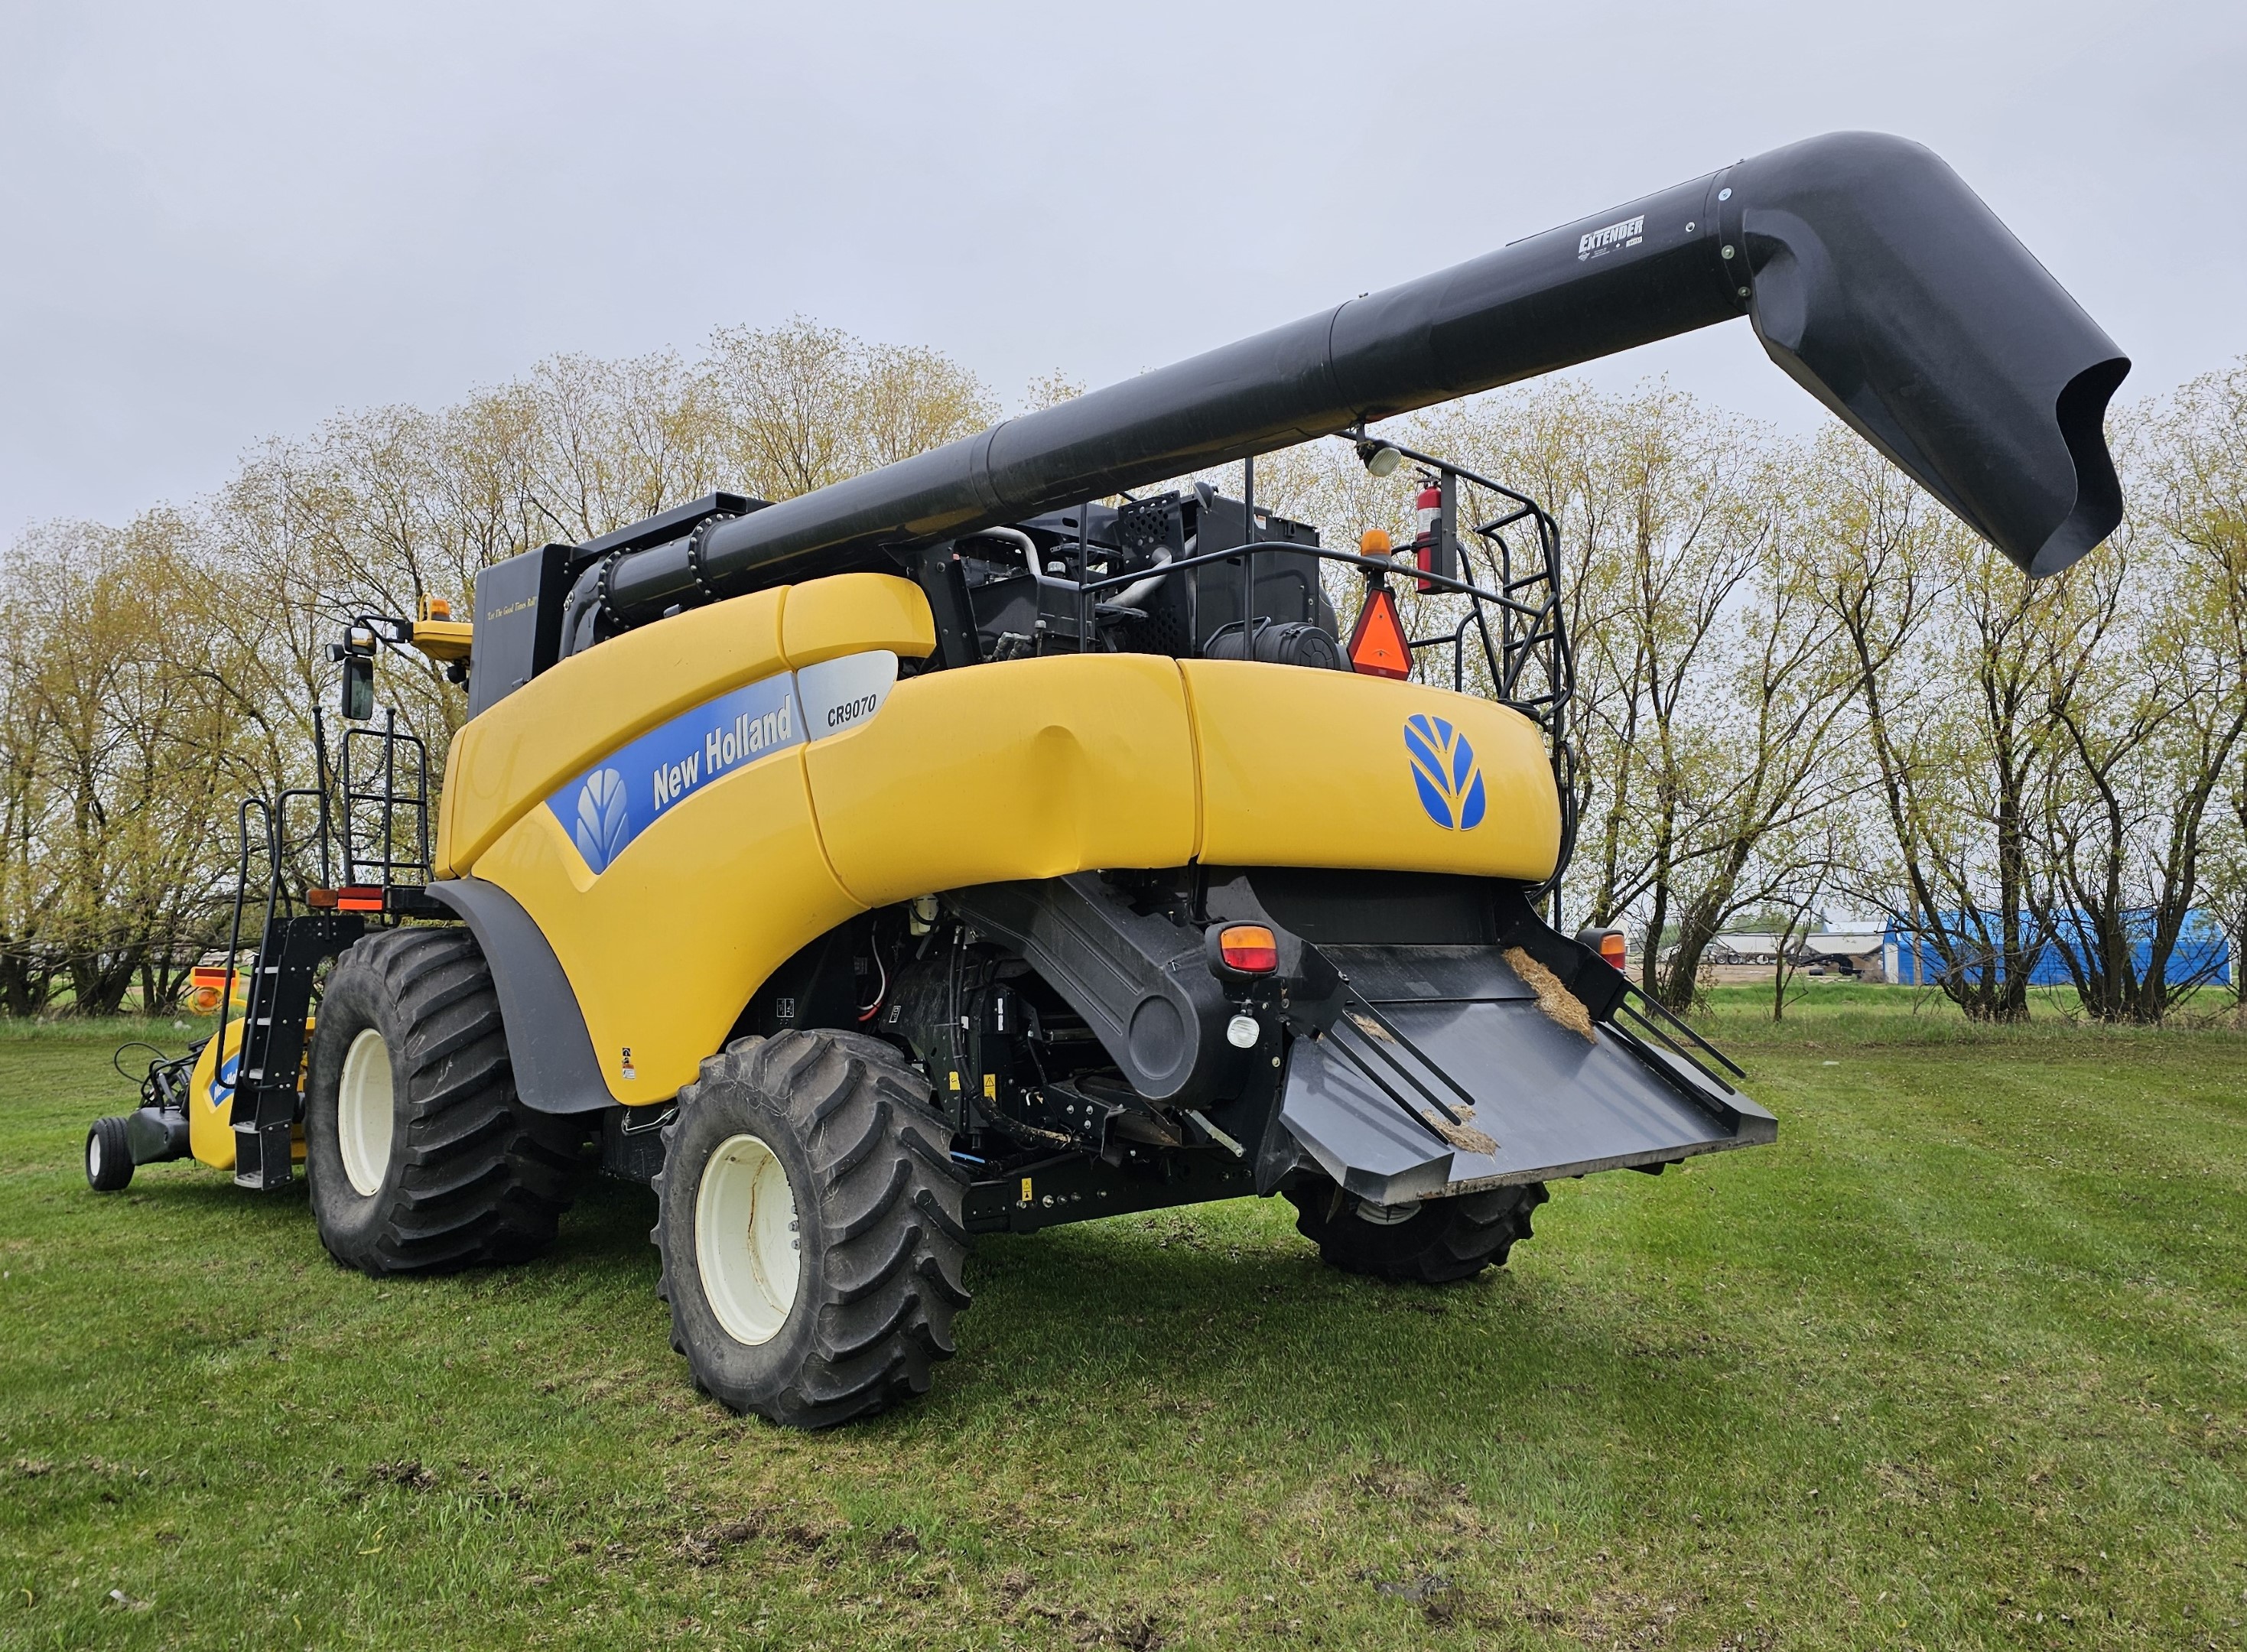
[{"x": 1871, "y": 273}]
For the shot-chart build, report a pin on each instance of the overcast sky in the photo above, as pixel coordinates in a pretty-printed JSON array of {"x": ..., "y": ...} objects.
[{"x": 224, "y": 222}]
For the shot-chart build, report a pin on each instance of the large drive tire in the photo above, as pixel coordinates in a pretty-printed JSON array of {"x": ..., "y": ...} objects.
[
  {"x": 810, "y": 1224},
  {"x": 1442, "y": 1240},
  {"x": 422, "y": 1159}
]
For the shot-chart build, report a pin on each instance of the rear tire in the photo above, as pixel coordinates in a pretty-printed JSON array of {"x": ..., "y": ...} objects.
[
  {"x": 1443, "y": 1240},
  {"x": 810, "y": 1226},
  {"x": 108, "y": 1157},
  {"x": 422, "y": 1158}
]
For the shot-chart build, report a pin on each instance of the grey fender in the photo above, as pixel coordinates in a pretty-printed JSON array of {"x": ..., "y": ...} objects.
[{"x": 555, "y": 1068}]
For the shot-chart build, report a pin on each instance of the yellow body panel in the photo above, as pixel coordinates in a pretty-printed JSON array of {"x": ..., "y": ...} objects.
[
  {"x": 664, "y": 948},
  {"x": 851, "y": 613},
  {"x": 210, "y": 1111},
  {"x": 506, "y": 761},
  {"x": 440, "y": 852},
  {"x": 1026, "y": 768},
  {"x": 444, "y": 639},
  {"x": 1310, "y": 769}
]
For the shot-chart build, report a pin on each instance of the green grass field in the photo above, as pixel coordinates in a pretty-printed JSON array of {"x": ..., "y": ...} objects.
[{"x": 1961, "y": 1362}]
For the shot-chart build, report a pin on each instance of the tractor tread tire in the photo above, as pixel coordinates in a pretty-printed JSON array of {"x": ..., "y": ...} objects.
[
  {"x": 879, "y": 1202},
  {"x": 108, "y": 1155},
  {"x": 476, "y": 1177},
  {"x": 1447, "y": 1241}
]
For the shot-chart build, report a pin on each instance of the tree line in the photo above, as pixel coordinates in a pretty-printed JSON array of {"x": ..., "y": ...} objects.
[{"x": 1798, "y": 681}]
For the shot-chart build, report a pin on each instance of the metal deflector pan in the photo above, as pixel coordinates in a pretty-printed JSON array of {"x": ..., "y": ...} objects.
[{"x": 1555, "y": 1105}]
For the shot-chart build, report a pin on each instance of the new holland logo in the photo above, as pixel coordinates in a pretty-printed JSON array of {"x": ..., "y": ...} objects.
[
  {"x": 1445, "y": 773},
  {"x": 603, "y": 818},
  {"x": 605, "y": 809}
]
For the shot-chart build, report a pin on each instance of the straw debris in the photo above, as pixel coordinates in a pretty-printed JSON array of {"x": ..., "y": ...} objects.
[
  {"x": 1462, "y": 1134},
  {"x": 1558, "y": 1004}
]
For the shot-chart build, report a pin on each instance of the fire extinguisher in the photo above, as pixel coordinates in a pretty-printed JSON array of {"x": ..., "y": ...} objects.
[
  {"x": 1436, "y": 508},
  {"x": 1430, "y": 509}
]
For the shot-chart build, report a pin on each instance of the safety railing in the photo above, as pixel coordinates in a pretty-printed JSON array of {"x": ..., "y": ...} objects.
[
  {"x": 382, "y": 813},
  {"x": 1669, "y": 1030},
  {"x": 261, "y": 832}
]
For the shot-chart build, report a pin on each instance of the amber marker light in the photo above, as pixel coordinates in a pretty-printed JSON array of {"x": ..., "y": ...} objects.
[
  {"x": 207, "y": 988},
  {"x": 1250, "y": 948}
]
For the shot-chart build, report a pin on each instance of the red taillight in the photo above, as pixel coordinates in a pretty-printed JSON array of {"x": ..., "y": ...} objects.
[
  {"x": 1250, "y": 948},
  {"x": 1609, "y": 944}
]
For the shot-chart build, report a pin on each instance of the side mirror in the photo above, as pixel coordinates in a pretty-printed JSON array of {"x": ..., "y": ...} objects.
[{"x": 359, "y": 687}]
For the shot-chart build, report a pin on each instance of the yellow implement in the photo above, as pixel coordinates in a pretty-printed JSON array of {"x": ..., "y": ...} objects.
[
  {"x": 1047, "y": 767},
  {"x": 1015, "y": 835}
]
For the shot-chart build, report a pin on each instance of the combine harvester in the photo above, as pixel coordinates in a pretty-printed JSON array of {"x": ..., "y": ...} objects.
[{"x": 950, "y": 851}]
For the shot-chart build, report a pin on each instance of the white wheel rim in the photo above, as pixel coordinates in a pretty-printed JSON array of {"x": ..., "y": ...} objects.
[
  {"x": 94, "y": 1156},
  {"x": 745, "y": 1240},
  {"x": 366, "y": 1112},
  {"x": 1385, "y": 1215}
]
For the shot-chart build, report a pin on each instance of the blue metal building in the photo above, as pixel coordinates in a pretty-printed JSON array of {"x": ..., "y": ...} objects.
[{"x": 2203, "y": 952}]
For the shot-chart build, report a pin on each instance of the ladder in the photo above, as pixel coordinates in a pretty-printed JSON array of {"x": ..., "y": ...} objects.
[{"x": 371, "y": 818}]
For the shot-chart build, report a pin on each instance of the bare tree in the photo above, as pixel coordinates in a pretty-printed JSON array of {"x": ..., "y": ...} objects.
[{"x": 1950, "y": 650}]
